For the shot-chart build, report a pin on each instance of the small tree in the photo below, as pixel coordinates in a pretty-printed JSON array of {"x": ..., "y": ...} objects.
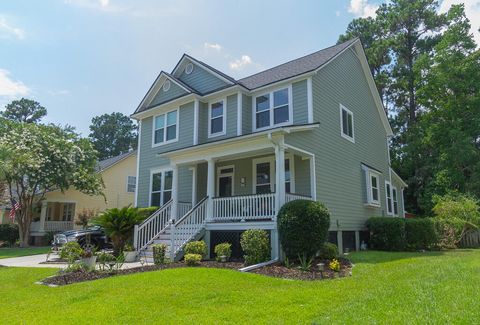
[
  {"x": 42, "y": 158},
  {"x": 85, "y": 216},
  {"x": 24, "y": 111}
]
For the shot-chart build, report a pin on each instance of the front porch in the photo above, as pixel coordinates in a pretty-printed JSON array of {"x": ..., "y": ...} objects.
[{"x": 53, "y": 217}]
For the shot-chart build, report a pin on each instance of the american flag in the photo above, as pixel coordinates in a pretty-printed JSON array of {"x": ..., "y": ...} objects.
[{"x": 15, "y": 206}]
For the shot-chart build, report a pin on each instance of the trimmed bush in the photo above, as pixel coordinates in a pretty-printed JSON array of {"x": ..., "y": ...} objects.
[
  {"x": 196, "y": 247},
  {"x": 144, "y": 213},
  {"x": 387, "y": 233},
  {"x": 159, "y": 254},
  {"x": 255, "y": 245},
  {"x": 9, "y": 234},
  {"x": 303, "y": 227},
  {"x": 192, "y": 259},
  {"x": 328, "y": 251},
  {"x": 420, "y": 233},
  {"x": 71, "y": 252},
  {"x": 223, "y": 249}
]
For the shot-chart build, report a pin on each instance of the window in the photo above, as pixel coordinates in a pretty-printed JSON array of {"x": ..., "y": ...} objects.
[
  {"x": 374, "y": 189},
  {"x": 264, "y": 175},
  {"x": 388, "y": 193},
  {"x": 131, "y": 184},
  {"x": 346, "y": 123},
  {"x": 264, "y": 178},
  {"x": 217, "y": 119},
  {"x": 161, "y": 188},
  {"x": 68, "y": 211},
  {"x": 395, "y": 201},
  {"x": 165, "y": 128},
  {"x": 272, "y": 109}
]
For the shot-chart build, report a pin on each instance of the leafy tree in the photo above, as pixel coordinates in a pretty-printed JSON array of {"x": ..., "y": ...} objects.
[
  {"x": 113, "y": 134},
  {"x": 24, "y": 110},
  {"x": 42, "y": 158}
]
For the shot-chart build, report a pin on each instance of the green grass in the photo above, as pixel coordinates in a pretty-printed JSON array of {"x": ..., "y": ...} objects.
[
  {"x": 386, "y": 288},
  {"x": 16, "y": 252}
]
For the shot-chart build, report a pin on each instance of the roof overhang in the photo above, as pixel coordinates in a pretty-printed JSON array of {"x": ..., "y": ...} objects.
[
  {"x": 394, "y": 174},
  {"x": 187, "y": 58},
  {"x": 158, "y": 109}
]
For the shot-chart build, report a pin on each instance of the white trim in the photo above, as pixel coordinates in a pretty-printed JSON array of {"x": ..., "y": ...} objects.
[
  {"x": 239, "y": 112},
  {"x": 165, "y": 129},
  {"x": 273, "y": 175},
  {"x": 196, "y": 105},
  {"x": 138, "y": 160},
  {"x": 219, "y": 175},
  {"x": 189, "y": 68},
  {"x": 224, "y": 118},
  {"x": 394, "y": 188},
  {"x": 194, "y": 185},
  {"x": 310, "y": 100},
  {"x": 342, "y": 133},
  {"x": 162, "y": 170},
  {"x": 166, "y": 85},
  {"x": 271, "y": 109},
  {"x": 387, "y": 191},
  {"x": 371, "y": 200},
  {"x": 403, "y": 203},
  {"x": 313, "y": 179},
  {"x": 126, "y": 187}
]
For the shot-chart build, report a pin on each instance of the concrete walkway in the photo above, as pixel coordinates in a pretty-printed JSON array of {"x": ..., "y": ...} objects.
[{"x": 38, "y": 260}]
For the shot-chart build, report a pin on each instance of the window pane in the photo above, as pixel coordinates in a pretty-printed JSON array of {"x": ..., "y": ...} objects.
[
  {"x": 155, "y": 199},
  {"x": 287, "y": 187},
  {"x": 375, "y": 194},
  {"x": 280, "y": 97},
  {"x": 168, "y": 180},
  {"x": 374, "y": 182},
  {"x": 159, "y": 121},
  {"x": 172, "y": 118},
  {"x": 171, "y": 132},
  {"x": 216, "y": 125},
  {"x": 263, "y": 102},
  {"x": 350, "y": 125},
  {"x": 156, "y": 182},
  {"x": 226, "y": 171},
  {"x": 287, "y": 170},
  {"x": 263, "y": 173},
  {"x": 280, "y": 115},
  {"x": 159, "y": 135},
  {"x": 262, "y": 189},
  {"x": 167, "y": 195},
  {"x": 344, "y": 122},
  {"x": 263, "y": 119},
  {"x": 217, "y": 109}
]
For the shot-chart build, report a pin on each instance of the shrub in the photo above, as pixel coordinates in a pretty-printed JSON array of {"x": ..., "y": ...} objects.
[
  {"x": 48, "y": 237},
  {"x": 144, "y": 213},
  {"x": 9, "y": 234},
  {"x": 71, "y": 252},
  {"x": 450, "y": 232},
  {"x": 106, "y": 261},
  {"x": 387, "y": 233},
  {"x": 328, "y": 251},
  {"x": 420, "y": 233},
  {"x": 303, "y": 227},
  {"x": 159, "y": 254},
  {"x": 334, "y": 265},
  {"x": 192, "y": 259},
  {"x": 223, "y": 249},
  {"x": 85, "y": 216},
  {"x": 255, "y": 245},
  {"x": 196, "y": 247}
]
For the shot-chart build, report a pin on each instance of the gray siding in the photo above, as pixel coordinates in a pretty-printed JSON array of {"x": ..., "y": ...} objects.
[
  {"x": 302, "y": 175},
  {"x": 340, "y": 184},
  {"x": 202, "y": 80},
  {"x": 202, "y": 122},
  {"x": 175, "y": 91},
  {"x": 300, "y": 105},
  {"x": 246, "y": 114}
]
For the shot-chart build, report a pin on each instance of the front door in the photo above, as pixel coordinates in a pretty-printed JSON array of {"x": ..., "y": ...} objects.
[{"x": 225, "y": 181}]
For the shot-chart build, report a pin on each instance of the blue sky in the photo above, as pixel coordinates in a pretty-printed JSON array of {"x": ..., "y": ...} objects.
[{"x": 82, "y": 58}]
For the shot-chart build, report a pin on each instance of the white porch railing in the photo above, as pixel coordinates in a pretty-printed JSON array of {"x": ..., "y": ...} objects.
[
  {"x": 292, "y": 196},
  {"x": 183, "y": 208},
  {"x": 245, "y": 207},
  {"x": 150, "y": 228},
  {"x": 58, "y": 225},
  {"x": 187, "y": 227}
]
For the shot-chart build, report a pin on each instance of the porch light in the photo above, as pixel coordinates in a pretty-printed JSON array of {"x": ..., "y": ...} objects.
[
  {"x": 321, "y": 267},
  {"x": 243, "y": 181}
]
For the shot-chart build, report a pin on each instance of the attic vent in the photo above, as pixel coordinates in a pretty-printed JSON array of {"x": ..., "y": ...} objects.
[
  {"x": 166, "y": 85},
  {"x": 189, "y": 68}
]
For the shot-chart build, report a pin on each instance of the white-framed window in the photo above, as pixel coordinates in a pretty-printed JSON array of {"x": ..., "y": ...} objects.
[
  {"x": 165, "y": 128},
  {"x": 388, "y": 195},
  {"x": 68, "y": 211},
  {"x": 346, "y": 124},
  {"x": 273, "y": 109},
  {"x": 264, "y": 175},
  {"x": 217, "y": 118},
  {"x": 374, "y": 180},
  {"x": 160, "y": 187},
  {"x": 395, "y": 200},
  {"x": 131, "y": 184},
  {"x": 225, "y": 181}
]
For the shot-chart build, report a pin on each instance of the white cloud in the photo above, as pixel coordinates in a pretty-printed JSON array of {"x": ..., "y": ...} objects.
[
  {"x": 61, "y": 92},
  {"x": 361, "y": 8},
  {"x": 240, "y": 64},
  {"x": 99, "y": 5},
  {"x": 7, "y": 30},
  {"x": 472, "y": 11},
  {"x": 213, "y": 46},
  {"x": 11, "y": 88}
]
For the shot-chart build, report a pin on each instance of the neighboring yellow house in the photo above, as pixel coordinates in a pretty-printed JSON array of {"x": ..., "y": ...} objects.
[{"x": 59, "y": 211}]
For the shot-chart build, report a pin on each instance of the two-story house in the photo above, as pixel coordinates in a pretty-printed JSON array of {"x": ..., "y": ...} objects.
[{"x": 220, "y": 155}]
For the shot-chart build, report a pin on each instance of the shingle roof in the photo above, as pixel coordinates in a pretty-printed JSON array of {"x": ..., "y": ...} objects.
[
  {"x": 295, "y": 67},
  {"x": 104, "y": 164}
]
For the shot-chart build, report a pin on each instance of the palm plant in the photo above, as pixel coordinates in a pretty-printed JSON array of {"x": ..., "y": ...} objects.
[{"x": 118, "y": 225}]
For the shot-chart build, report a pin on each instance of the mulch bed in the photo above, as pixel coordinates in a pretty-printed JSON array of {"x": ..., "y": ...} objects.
[{"x": 294, "y": 272}]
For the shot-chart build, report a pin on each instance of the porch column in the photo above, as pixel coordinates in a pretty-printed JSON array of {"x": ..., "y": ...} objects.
[
  {"x": 280, "y": 176},
  {"x": 43, "y": 216},
  {"x": 194, "y": 185},
  {"x": 313, "y": 179},
  {"x": 210, "y": 188},
  {"x": 174, "y": 210}
]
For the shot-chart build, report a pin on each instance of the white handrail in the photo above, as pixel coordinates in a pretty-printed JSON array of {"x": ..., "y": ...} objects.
[
  {"x": 187, "y": 227},
  {"x": 150, "y": 228},
  {"x": 245, "y": 207}
]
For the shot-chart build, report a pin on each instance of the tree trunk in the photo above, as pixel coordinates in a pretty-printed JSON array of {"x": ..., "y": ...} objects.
[{"x": 24, "y": 225}]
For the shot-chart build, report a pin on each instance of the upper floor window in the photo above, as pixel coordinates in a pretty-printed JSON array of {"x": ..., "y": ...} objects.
[
  {"x": 131, "y": 184},
  {"x": 165, "y": 128},
  {"x": 273, "y": 109},
  {"x": 395, "y": 200},
  {"x": 388, "y": 194},
  {"x": 217, "y": 118},
  {"x": 346, "y": 123}
]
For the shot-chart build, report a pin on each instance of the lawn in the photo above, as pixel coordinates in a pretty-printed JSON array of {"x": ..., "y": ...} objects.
[
  {"x": 16, "y": 252},
  {"x": 411, "y": 288}
]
